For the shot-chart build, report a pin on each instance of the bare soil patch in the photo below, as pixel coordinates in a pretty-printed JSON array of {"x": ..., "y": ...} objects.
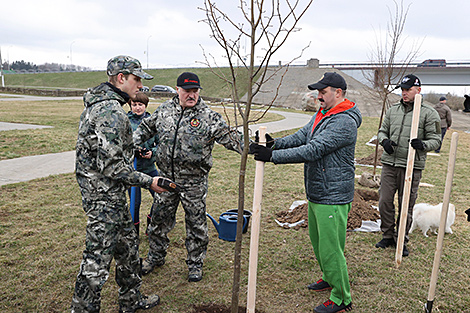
[
  {"x": 369, "y": 160},
  {"x": 361, "y": 210}
]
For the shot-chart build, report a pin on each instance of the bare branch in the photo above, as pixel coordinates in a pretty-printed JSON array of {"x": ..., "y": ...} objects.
[{"x": 264, "y": 23}]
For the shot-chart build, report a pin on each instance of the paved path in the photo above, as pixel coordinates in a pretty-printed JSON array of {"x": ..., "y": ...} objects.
[
  {"x": 32, "y": 167},
  {"x": 10, "y": 97},
  {"x": 14, "y": 126},
  {"x": 37, "y": 166}
]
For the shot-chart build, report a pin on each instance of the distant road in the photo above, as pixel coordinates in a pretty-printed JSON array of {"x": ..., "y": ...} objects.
[{"x": 38, "y": 166}]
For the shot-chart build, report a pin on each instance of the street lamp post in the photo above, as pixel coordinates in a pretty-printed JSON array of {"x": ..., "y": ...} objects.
[
  {"x": 148, "y": 51},
  {"x": 71, "y": 52},
  {"x": 8, "y": 56},
  {"x": 1, "y": 68}
]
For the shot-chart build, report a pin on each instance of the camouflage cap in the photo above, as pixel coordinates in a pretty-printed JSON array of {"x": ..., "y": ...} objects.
[{"x": 126, "y": 65}]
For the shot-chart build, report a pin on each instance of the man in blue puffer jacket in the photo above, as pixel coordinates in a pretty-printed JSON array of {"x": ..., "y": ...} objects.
[{"x": 326, "y": 146}]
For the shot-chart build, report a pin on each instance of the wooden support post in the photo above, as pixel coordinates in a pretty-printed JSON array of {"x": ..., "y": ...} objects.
[
  {"x": 442, "y": 225},
  {"x": 255, "y": 226},
  {"x": 408, "y": 179}
]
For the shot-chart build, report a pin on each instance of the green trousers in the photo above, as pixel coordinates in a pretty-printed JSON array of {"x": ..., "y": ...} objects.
[{"x": 327, "y": 229}]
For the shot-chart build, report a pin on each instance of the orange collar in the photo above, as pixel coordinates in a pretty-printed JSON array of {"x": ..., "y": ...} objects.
[{"x": 340, "y": 107}]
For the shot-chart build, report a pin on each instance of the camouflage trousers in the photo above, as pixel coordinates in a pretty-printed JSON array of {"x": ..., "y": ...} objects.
[
  {"x": 163, "y": 219},
  {"x": 110, "y": 233}
]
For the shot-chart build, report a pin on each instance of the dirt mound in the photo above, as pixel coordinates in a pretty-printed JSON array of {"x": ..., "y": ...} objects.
[
  {"x": 368, "y": 194},
  {"x": 361, "y": 210},
  {"x": 217, "y": 308},
  {"x": 299, "y": 213},
  {"x": 369, "y": 160}
]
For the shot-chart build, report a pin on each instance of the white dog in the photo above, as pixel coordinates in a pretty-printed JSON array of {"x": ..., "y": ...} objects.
[{"x": 428, "y": 217}]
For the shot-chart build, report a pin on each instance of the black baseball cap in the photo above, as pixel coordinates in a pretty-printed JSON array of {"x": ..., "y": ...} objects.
[
  {"x": 409, "y": 81},
  {"x": 188, "y": 80},
  {"x": 329, "y": 79},
  {"x": 442, "y": 98}
]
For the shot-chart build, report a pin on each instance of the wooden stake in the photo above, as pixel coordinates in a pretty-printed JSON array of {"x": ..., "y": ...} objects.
[
  {"x": 408, "y": 179},
  {"x": 442, "y": 225},
  {"x": 255, "y": 226}
]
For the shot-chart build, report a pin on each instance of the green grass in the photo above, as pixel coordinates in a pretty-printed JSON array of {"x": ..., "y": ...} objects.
[
  {"x": 42, "y": 233},
  {"x": 212, "y": 85},
  {"x": 64, "y": 117}
]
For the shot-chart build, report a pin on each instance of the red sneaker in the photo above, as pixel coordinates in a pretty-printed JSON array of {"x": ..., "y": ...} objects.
[{"x": 320, "y": 285}]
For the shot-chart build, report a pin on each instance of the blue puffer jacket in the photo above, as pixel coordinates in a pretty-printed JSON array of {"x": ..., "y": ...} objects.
[{"x": 328, "y": 154}]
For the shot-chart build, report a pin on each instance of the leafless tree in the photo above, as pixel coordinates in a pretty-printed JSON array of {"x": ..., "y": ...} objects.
[
  {"x": 266, "y": 25},
  {"x": 388, "y": 69}
]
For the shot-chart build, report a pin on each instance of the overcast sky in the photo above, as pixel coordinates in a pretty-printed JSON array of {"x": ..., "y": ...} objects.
[{"x": 88, "y": 33}]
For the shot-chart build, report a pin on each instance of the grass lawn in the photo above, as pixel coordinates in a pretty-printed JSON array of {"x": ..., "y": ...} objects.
[
  {"x": 42, "y": 234},
  {"x": 212, "y": 84},
  {"x": 64, "y": 117}
]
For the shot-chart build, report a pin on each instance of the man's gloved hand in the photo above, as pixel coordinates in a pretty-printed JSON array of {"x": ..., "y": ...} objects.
[
  {"x": 168, "y": 184},
  {"x": 269, "y": 139},
  {"x": 417, "y": 144},
  {"x": 389, "y": 145},
  {"x": 261, "y": 153}
]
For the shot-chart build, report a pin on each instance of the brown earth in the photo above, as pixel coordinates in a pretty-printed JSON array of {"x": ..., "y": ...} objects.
[
  {"x": 369, "y": 160},
  {"x": 217, "y": 308},
  {"x": 361, "y": 210}
]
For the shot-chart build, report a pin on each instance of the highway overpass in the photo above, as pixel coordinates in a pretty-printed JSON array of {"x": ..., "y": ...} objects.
[{"x": 453, "y": 74}]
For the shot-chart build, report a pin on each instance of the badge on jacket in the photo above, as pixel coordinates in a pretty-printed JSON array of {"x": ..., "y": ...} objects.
[{"x": 195, "y": 122}]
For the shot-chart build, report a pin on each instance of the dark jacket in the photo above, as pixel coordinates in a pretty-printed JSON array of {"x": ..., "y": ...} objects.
[
  {"x": 328, "y": 154},
  {"x": 144, "y": 165},
  {"x": 105, "y": 150},
  {"x": 396, "y": 126}
]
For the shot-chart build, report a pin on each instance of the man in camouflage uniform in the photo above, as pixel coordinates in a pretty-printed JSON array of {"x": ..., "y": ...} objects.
[
  {"x": 104, "y": 171},
  {"x": 186, "y": 129}
]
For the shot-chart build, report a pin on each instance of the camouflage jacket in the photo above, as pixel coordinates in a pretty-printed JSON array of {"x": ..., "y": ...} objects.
[
  {"x": 105, "y": 150},
  {"x": 186, "y": 137}
]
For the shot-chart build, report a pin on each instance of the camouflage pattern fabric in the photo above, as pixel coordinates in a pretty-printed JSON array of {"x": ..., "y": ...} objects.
[
  {"x": 193, "y": 200},
  {"x": 185, "y": 139},
  {"x": 104, "y": 172},
  {"x": 126, "y": 65},
  {"x": 105, "y": 150},
  {"x": 110, "y": 233}
]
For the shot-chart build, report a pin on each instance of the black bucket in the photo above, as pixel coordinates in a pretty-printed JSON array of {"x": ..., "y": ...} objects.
[{"x": 246, "y": 214}]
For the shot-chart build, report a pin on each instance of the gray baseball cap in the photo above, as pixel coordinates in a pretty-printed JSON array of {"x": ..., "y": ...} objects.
[{"x": 126, "y": 65}]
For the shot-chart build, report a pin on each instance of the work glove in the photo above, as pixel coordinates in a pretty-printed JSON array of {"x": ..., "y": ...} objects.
[
  {"x": 417, "y": 144},
  {"x": 269, "y": 139},
  {"x": 389, "y": 145},
  {"x": 261, "y": 153}
]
